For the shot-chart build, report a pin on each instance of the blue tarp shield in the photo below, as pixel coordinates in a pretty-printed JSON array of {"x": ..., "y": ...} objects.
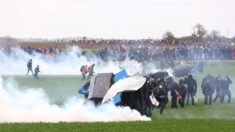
[
  {"x": 84, "y": 89},
  {"x": 118, "y": 76}
]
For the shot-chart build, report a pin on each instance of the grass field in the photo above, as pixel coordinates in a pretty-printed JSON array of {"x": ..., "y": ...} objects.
[
  {"x": 218, "y": 117},
  {"x": 170, "y": 125}
]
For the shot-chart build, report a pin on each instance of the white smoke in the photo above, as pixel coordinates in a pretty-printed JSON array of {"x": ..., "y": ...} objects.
[
  {"x": 67, "y": 63},
  {"x": 32, "y": 105}
]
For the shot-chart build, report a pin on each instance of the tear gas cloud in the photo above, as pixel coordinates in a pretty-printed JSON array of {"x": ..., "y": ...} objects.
[
  {"x": 67, "y": 63},
  {"x": 32, "y": 105}
]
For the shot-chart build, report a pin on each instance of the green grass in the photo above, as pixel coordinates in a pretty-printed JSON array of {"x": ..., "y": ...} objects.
[
  {"x": 218, "y": 117},
  {"x": 169, "y": 125}
]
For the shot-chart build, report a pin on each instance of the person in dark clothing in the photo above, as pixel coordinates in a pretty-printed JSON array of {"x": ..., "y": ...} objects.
[
  {"x": 36, "y": 71},
  {"x": 226, "y": 82},
  {"x": 208, "y": 88},
  {"x": 219, "y": 89},
  {"x": 174, "y": 88},
  {"x": 160, "y": 93},
  {"x": 29, "y": 66},
  {"x": 182, "y": 92},
  {"x": 174, "y": 94},
  {"x": 191, "y": 88}
]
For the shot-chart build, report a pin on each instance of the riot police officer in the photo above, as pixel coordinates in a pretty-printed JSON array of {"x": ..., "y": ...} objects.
[
  {"x": 225, "y": 84},
  {"x": 160, "y": 92},
  {"x": 182, "y": 92},
  {"x": 219, "y": 89},
  {"x": 208, "y": 88},
  {"x": 191, "y": 88}
]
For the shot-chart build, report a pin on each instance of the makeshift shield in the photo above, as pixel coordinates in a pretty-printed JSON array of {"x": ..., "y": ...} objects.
[
  {"x": 99, "y": 85},
  {"x": 132, "y": 83},
  {"x": 160, "y": 74},
  {"x": 182, "y": 70}
]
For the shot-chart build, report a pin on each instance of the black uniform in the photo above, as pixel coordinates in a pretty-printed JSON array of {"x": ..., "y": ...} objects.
[
  {"x": 160, "y": 92},
  {"x": 182, "y": 92},
  {"x": 191, "y": 88},
  {"x": 174, "y": 94},
  {"x": 219, "y": 89},
  {"x": 225, "y": 84},
  {"x": 208, "y": 88}
]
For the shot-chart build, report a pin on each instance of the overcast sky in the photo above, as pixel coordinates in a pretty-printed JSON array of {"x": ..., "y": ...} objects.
[{"x": 131, "y": 19}]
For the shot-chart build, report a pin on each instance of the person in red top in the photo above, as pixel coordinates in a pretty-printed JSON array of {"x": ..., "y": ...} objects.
[
  {"x": 84, "y": 71},
  {"x": 91, "y": 70}
]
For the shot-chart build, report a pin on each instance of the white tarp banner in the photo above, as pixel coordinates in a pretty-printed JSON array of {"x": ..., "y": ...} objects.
[{"x": 132, "y": 83}]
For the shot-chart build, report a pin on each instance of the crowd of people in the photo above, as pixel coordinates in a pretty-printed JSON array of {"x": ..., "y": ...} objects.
[
  {"x": 50, "y": 50},
  {"x": 140, "y": 53},
  {"x": 148, "y": 49}
]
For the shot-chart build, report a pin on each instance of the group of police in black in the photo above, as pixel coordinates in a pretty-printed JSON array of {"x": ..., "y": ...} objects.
[
  {"x": 185, "y": 89},
  {"x": 160, "y": 87},
  {"x": 219, "y": 85},
  {"x": 181, "y": 93}
]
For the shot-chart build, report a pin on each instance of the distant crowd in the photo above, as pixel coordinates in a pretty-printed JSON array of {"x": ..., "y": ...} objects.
[{"x": 150, "y": 50}]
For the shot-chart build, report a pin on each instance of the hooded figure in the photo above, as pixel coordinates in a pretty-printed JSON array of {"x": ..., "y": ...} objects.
[
  {"x": 174, "y": 88},
  {"x": 36, "y": 71},
  {"x": 160, "y": 92},
  {"x": 29, "y": 66},
  {"x": 208, "y": 88}
]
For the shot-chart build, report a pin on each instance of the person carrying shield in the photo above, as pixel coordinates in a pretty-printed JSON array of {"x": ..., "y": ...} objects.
[
  {"x": 91, "y": 71},
  {"x": 84, "y": 70}
]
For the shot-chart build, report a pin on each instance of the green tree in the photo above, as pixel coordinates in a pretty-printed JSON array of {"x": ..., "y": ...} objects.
[
  {"x": 199, "y": 31},
  {"x": 168, "y": 37},
  {"x": 214, "y": 34}
]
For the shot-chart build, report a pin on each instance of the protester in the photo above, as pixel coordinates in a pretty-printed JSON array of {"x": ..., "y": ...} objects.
[
  {"x": 84, "y": 70},
  {"x": 29, "y": 66},
  {"x": 36, "y": 71},
  {"x": 91, "y": 71}
]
